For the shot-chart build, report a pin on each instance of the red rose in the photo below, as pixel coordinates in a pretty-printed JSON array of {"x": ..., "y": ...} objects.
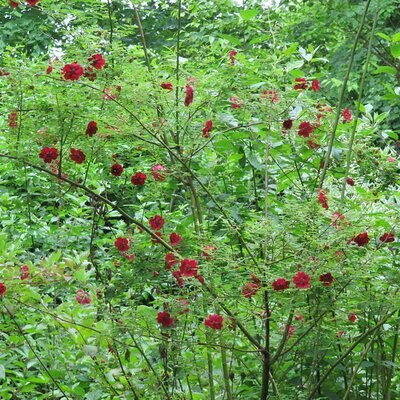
[
  {"x": 207, "y": 129},
  {"x": 97, "y": 61},
  {"x": 83, "y": 297},
  {"x": 117, "y": 169},
  {"x": 362, "y": 239},
  {"x": 166, "y": 86},
  {"x": 122, "y": 244},
  {"x": 290, "y": 330},
  {"x": 326, "y": 279},
  {"x": 350, "y": 181},
  {"x": 301, "y": 84},
  {"x": 138, "y": 179},
  {"x": 157, "y": 222},
  {"x": 183, "y": 306},
  {"x": 14, "y": 4},
  {"x": 91, "y": 128},
  {"x": 208, "y": 250},
  {"x": 32, "y": 2},
  {"x": 336, "y": 218},
  {"x": 189, "y": 95},
  {"x": 301, "y": 280},
  {"x": 170, "y": 260},
  {"x": 13, "y": 120},
  {"x": 322, "y": 199},
  {"x": 90, "y": 74},
  {"x": 272, "y": 95},
  {"x": 188, "y": 267},
  {"x": 49, "y": 69},
  {"x": 347, "y": 115},
  {"x": 313, "y": 145},
  {"x": 108, "y": 96},
  {"x": 24, "y": 272},
  {"x": 255, "y": 279},
  {"x": 280, "y": 284},
  {"x": 305, "y": 129},
  {"x": 77, "y": 156},
  {"x": 164, "y": 318},
  {"x": 235, "y": 102},
  {"x": 48, "y": 154},
  {"x": 200, "y": 278},
  {"x": 214, "y": 321},
  {"x": 3, "y": 289},
  {"x": 175, "y": 239},
  {"x": 250, "y": 289},
  {"x": 176, "y": 274},
  {"x": 387, "y": 237},
  {"x": 287, "y": 124},
  {"x": 232, "y": 55},
  {"x": 352, "y": 317},
  {"x": 315, "y": 85},
  {"x": 72, "y": 72},
  {"x": 158, "y": 172}
]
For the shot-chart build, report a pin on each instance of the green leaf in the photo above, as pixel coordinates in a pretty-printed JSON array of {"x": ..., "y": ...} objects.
[
  {"x": 383, "y": 36},
  {"x": 255, "y": 163},
  {"x": 97, "y": 394},
  {"x": 367, "y": 364},
  {"x": 260, "y": 39},
  {"x": 242, "y": 161},
  {"x": 90, "y": 350},
  {"x": 386, "y": 70},
  {"x": 396, "y": 37},
  {"x": 230, "y": 39},
  {"x": 224, "y": 145},
  {"x": 2, "y": 372},
  {"x": 395, "y": 50},
  {"x": 295, "y": 65},
  {"x": 248, "y": 14},
  {"x": 381, "y": 117},
  {"x": 290, "y": 50}
]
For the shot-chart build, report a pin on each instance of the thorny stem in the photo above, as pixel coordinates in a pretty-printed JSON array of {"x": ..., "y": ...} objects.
[
  {"x": 341, "y": 97},
  {"x": 360, "y": 94},
  {"x": 177, "y": 73},
  {"x": 109, "y": 12},
  {"x": 142, "y": 36},
  {"x": 266, "y": 351}
]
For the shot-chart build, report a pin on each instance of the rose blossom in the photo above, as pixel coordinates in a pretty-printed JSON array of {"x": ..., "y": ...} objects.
[{"x": 214, "y": 321}]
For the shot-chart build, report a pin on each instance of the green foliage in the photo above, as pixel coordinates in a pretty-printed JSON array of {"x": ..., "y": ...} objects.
[{"x": 244, "y": 197}]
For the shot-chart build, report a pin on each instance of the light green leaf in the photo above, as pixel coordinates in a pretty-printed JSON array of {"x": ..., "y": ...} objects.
[
  {"x": 248, "y": 14},
  {"x": 396, "y": 37},
  {"x": 381, "y": 117},
  {"x": 395, "y": 50},
  {"x": 230, "y": 39},
  {"x": 383, "y": 36},
  {"x": 386, "y": 70}
]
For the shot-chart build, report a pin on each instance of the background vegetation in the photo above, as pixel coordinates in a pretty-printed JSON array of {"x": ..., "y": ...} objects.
[{"x": 258, "y": 256}]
